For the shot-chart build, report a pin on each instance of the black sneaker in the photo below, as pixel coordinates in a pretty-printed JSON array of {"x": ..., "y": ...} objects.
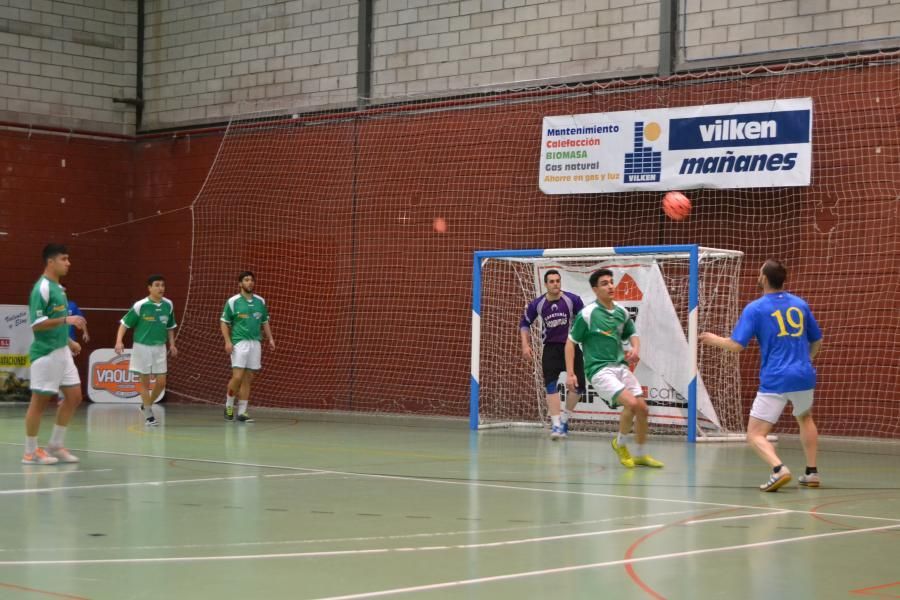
[
  {"x": 151, "y": 421},
  {"x": 244, "y": 418},
  {"x": 229, "y": 413}
]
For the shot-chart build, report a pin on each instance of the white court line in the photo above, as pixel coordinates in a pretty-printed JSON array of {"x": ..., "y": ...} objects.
[
  {"x": 611, "y": 563},
  {"x": 328, "y": 553},
  {"x": 54, "y": 471},
  {"x": 702, "y": 521},
  {"x": 315, "y": 470},
  {"x": 160, "y": 483},
  {"x": 373, "y": 538}
]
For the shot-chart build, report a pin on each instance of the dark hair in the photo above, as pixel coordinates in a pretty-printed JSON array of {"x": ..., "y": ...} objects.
[
  {"x": 596, "y": 275},
  {"x": 775, "y": 273},
  {"x": 53, "y": 250},
  {"x": 153, "y": 278},
  {"x": 246, "y": 274},
  {"x": 551, "y": 272}
]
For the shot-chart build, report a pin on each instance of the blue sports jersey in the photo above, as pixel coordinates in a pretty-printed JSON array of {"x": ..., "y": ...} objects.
[
  {"x": 556, "y": 315},
  {"x": 784, "y": 326},
  {"x": 73, "y": 310}
]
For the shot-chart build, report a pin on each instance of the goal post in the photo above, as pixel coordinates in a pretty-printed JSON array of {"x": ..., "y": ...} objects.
[{"x": 676, "y": 288}]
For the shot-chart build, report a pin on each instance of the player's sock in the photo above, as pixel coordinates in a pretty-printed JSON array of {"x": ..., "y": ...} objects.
[
  {"x": 777, "y": 469},
  {"x": 621, "y": 439},
  {"x": 147, "y": 410},
  {"x": 640, "y": 450},
  {"x": 229, "y": 401},
  {"x": 555, "y": 420},
  {"x": 563, "y": 415},
  {"x": 811, "y": 470},
  {"x": 58, "y": 437},
  {"x": 30, "y": 444},
  {"x": 242, "y": 407}
]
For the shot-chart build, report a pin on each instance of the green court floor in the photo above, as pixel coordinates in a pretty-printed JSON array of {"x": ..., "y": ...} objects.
[{"x": 300, "y": 506}]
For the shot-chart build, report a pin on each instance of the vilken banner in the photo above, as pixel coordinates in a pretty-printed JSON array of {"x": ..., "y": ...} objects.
[{"x": 745, "y": 145}]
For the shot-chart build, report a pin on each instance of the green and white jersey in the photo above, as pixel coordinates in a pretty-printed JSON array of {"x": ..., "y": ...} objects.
[
  {"x": 245, "y": 317},
  {"x": 47, "y": 301},
  {"x": 601, "y": 333},
  {"x": 151, "y": 321}
]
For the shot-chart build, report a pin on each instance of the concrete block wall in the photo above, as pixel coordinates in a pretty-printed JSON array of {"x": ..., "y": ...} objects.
[
  {"x": 62, "y": 62},
  {"x": 436, "y": 46},
  {"x": 204, "y": 57},
  {"x": 720, "y": 29}
]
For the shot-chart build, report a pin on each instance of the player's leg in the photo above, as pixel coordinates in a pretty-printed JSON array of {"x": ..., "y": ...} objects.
[
  {"x": 234, "y": 388},
  {"x": 56, "y": 447},
  {"x": 637, "y": 411},
  {"x": 573, "y": 398},
  {"x": 33, "y": 453},
  {"x": 46, "y": 377},
  {"x": 553, "y": 362},
  {"x": 809, "y": 435},
  {"x": 239, "y": 356},
  {"x": 764, "y": 413},
  {"x": 244, "y": 397}
]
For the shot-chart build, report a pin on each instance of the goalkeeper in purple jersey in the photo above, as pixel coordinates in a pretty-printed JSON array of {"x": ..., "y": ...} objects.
[
  {"x": 789, "y": 338},
  {"x": 556, "y": 309}
]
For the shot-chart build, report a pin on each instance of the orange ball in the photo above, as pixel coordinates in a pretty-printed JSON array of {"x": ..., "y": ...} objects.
[
  {"x": 676, "y": 205},
  {"x": 440, "y": 225}
]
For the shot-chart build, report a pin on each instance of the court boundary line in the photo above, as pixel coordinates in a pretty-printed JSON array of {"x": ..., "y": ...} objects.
[
  {"x": 411, "y": 478},
  {"x": 598, "y": 565}
]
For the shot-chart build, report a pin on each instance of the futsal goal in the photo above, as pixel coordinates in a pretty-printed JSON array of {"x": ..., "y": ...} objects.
[{"x": 672, "y": 292}]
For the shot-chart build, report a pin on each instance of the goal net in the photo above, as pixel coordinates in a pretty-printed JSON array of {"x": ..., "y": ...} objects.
[
  {"x": 370, "y": 301},
  {"x": 689, "y": 392}
]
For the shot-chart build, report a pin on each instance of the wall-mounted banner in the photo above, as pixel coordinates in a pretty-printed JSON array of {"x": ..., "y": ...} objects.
[
  {"x": 745, "y": 145},
  {"x": 15, "y": 341},
  {"x": 112, "y": 381}
]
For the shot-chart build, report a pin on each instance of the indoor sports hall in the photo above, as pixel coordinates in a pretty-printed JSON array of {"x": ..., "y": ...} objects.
[{"x": 400, "y": 176}]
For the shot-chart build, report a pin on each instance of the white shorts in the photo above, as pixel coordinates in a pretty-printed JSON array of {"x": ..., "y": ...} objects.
[
  {"x": 53, "y": 371},
  {"x": 609, "y": 382},
  {"x": 247, "y": 355},
  {"x": 768, "y": 406},
  {"x": 148, "y": 360}
]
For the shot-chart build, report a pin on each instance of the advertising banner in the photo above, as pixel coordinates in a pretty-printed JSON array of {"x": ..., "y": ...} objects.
[
  {"x": 743, "y": 145},
  {"x": 15, "y": 340},
  {"x": 111, "y": 381}
]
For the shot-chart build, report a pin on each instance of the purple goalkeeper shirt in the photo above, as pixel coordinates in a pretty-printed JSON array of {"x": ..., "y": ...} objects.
[{"x": 556, "y": 315}]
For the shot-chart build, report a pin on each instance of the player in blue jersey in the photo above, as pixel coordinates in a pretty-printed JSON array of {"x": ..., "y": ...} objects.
[
  {"x": 789, "y": 339},
  {"x": 556, "y": 309}
]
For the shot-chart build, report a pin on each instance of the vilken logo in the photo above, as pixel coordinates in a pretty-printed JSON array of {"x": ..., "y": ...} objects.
[{"x": 735, "y": 129}]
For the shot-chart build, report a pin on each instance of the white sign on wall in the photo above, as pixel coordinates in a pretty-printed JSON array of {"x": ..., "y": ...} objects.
[
  {"x": 111, "y": 381},
  {"x": 15, "y": 341},
  {"x": 743, "y": 145}
]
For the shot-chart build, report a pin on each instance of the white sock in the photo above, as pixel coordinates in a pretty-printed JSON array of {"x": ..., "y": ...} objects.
[
  {"x": 229, "y": 401},
  {"x": 554, "y": 419},
  {"x": 563, "y": 415},
  {"x": 639, "y": 450},
  {"x": 30, "y": 444},
  {"x": 621, "y": 439},
  {"x": 147, "y": 410},
  {"x": 242, "y": 407},
  {"x": 58, "y": 437}
]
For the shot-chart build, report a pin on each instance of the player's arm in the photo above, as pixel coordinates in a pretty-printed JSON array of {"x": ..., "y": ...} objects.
[
  {"x": 85, "y": 335},
  {"x": 814, "y": 348},
  {"x": 528, "y": 318},
  {"x": 74, "y": 347},
  {"x": 629, "y": 332},
  {"x": 226, "y": 333},
  {"x": 711, "y": 339},
  {"x": 571, "y": 379},
  {"x": 268, "y": 331},
  {"x": 120, "y": 338},
  {"x": 78, "y": 322},
  {"x": 172, "y": 349}
]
